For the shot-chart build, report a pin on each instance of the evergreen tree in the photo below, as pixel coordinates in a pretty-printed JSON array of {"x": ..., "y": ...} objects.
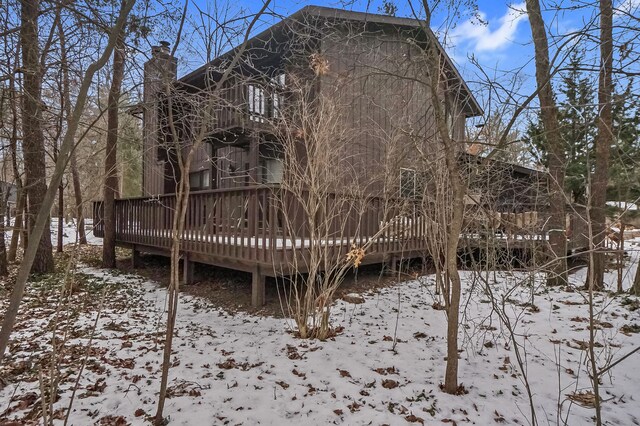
[{"x": 577, "y": 112}]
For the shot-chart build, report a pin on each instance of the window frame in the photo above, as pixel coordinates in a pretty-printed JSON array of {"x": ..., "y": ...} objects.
[
  {"x": 203, "y": 182},
  {"x": 256, "y": 102},
  {"x": 405, "y": 190}
]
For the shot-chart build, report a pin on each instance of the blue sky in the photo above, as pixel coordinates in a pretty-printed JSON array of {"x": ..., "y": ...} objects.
[
  {"x": 499, "y": 39},
  {"x": 496, "y": 33}
]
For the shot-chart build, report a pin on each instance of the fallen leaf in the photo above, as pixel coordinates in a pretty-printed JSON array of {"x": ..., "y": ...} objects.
[{"x": 389, "y": 384}]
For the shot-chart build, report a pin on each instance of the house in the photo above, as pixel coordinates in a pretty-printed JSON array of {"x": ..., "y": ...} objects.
[{"x": 364, "y": 73}]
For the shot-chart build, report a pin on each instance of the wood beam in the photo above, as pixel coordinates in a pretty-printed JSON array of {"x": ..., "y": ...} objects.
[
  {"x": 135, "y": 258},
  {"x": 188, "y": 267},
  {"x": 258, "y": 295}
]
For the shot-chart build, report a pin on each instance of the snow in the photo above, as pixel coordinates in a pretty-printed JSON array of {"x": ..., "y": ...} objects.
[
  {"x": 248, "y": 369},
  {"x": 70, "y": 234},
  {"x": 623, "y": 205}
]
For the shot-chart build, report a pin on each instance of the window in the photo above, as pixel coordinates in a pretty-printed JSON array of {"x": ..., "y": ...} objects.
[
  {"x": 279, "y": 80},
  {"x": 408, "y": 183},
  {"x": 277, "y": 103},
  {"x": 200, "y": 180},
  {"x": 266, "y": 101},
  {"x": 256, "y": 97},
  {"x": 278, "y": 98},
  {"x": 194, "y": 180},
  {"x": 273, "y": 170},
  {"x": 206, "y": 179}
]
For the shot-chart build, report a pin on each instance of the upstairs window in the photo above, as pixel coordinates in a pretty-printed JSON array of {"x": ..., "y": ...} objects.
[
  {"x": 266, "y": 102},
  {"x": 257, "y": 103},
  {"x": 277, "y": 98},
  {"x": 277, "y": 104},
  {"x": 408, "y": 183}
]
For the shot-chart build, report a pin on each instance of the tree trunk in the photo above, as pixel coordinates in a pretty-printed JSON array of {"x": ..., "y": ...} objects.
[
  {"x": 77, "y": 192},
  {"x": 24, "y": 235},
  {"x": 453, "y": 314},
  {"x": 456, "y": 210},
  {"x": 620, "y": 257},
  {"x": 59, "y": 227},
  {"x": 18, "y": 228},
  {"x": 73, "y": 161},
  {"x": 557, "y": 273},
  {"x": 603, "y": 144},
  {"x": 635, "y": 288},
  {"x": 3, "y": 247},
  {"x": 33, "y": 137},
  {"x": 60, "y": 218},
  {"x": 110, "y": 162}
]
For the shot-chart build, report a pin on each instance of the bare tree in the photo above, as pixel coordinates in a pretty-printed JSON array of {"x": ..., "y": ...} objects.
[
  {"x": 436, "y": 82},
  {"x": 110, "y": 162},
  {"x": 325, "y": 209},
  {"x": 12, "y": 61},
  {"x": 33, "y": 143},
  {"x": 200, "y": 120},
  {"x": 73, "y": 162},
  {"x": 603, "y": 142},
  {"x": 635, "y": 288},
  {"x": 557, "y": 237},
  {"x": 3, "y": 244},
  {"x": 41, "y": 219}
]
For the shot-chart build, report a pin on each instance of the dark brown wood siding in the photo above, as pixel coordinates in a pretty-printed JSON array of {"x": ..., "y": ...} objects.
[{"x": 376, "y": 78}]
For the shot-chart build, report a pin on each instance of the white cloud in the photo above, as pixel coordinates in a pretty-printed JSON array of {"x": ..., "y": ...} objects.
[{"x": 488, "y": 38}]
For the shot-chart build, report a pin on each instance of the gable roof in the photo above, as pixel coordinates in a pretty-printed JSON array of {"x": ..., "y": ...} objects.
[{"x": 330, "y": 13}]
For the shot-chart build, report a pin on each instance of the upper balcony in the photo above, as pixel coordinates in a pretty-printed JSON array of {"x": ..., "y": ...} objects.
[
  {"x": 241, "y": 106},
  {"x": 252, "y": 105}
]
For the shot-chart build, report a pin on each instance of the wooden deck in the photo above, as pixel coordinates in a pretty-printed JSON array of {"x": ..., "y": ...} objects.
[{"x": 245, "y": 229}]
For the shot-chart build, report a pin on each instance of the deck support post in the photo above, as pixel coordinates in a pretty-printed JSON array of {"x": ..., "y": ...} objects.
[
  {"x": 392, "y": 264},
  {"x": 135, "y": 258},
  {"x": 187, "y": 270},
  {"x": 257, "y": 288}
]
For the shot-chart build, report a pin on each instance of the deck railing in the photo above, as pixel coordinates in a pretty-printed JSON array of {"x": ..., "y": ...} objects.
[
  {"x": 268, "y": 225},
  {"x": 264, "y": 224}
]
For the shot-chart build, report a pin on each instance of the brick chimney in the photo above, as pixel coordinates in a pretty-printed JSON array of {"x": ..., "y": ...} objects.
[{"x": 162, "y": 67}]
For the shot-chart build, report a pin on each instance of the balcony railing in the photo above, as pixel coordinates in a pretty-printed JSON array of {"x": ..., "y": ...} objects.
[{"x": 247, "y": 106}]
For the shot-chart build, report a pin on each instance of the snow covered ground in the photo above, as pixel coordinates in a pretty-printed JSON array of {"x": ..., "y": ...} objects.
[
  {"x": 623, "y": 205},
  {"x": 70, "y": 234},
  {"x": 243, "y": 369}
]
